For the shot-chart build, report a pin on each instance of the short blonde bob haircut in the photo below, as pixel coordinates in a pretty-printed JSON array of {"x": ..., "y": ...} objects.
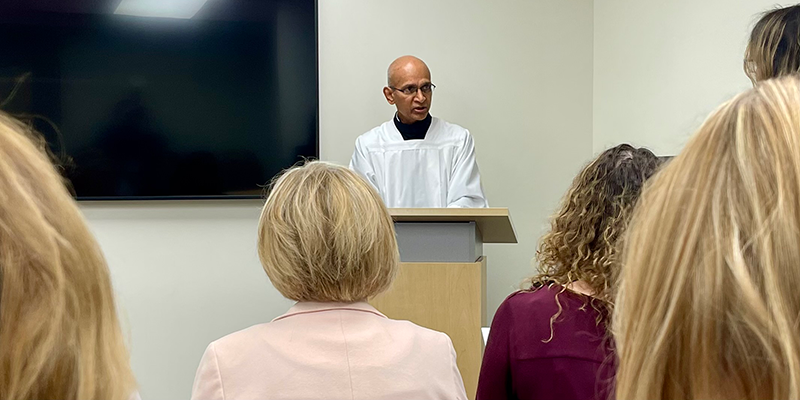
[
  {"x": 709, "y": 298},
  {"x": 326, "y": 236},
  {"x": 59, "y": 333}
]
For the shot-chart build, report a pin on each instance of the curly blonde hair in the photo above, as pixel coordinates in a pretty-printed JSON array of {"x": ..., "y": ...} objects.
[{"x": 582, "y": 241}]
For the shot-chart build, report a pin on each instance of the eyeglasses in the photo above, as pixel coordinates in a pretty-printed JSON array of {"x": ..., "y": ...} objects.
[{"x": 409, "y": 90}]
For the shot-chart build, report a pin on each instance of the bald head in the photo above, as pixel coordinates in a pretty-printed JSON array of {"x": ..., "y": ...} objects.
[
  {"x": 405, "y": 67},
  {"x": 410, "y": 89}
]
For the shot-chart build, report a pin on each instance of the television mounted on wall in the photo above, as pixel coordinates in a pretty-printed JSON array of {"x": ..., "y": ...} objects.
[{"x": 155, "y": 99}]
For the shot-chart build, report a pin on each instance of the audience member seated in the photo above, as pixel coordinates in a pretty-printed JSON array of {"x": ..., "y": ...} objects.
[
  {"x": 549, "y": 341},
  {"x": 327, "y": 241},
  {"x": 708, "y": 299},
  {"x": 774, "y": 46},
  {"x": 59, "y": 333}
]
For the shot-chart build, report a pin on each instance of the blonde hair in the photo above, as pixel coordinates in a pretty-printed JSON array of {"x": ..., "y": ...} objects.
[
  {"x": 326, "y": 236},
  {"x": 59, "y": 333},
  {"x": 709, "y": 304},
  {"x": 774, "y": 46}
]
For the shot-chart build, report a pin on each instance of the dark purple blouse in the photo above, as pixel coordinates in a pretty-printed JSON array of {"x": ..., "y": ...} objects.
[{"x": 576, "y": 364}]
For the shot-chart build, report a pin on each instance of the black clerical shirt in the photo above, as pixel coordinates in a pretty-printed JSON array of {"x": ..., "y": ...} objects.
[{"x": 415, "y": 130}]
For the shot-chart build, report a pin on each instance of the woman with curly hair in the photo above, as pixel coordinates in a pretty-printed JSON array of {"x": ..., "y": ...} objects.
[{"x": 549, "y": 340}]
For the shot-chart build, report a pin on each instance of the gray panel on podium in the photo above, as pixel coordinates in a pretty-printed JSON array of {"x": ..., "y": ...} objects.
[{"x": 439, "y": 241}]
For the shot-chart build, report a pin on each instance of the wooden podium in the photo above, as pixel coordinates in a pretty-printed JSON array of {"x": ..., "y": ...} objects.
[{"x": 442, "y": 280}]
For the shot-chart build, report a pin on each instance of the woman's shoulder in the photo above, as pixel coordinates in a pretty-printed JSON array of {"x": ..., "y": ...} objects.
[
  {"x": 239, "y": 340},
  {"x": 540, "y": 304},
  {"x": 568, "y": 322},
  {"x": 543, "y": 296},
  {"x": 417, "y": 332},
  {"x": 268, "y": 334}
]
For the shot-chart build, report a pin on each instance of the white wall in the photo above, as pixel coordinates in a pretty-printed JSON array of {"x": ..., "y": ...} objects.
[
  {"x": 660, "y": 67},
  {"x": 517, "y": 73},
  {"x": 186, "y": 273}
]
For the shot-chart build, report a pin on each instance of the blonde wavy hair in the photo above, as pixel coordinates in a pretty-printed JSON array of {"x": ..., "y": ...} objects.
[
  {"x": 582, "y": 241},
  {"x": 774, "y": 46},
  {"x": 709, "y": 306},
  {"x": 325, "y": 235},
  {"x": 59, "y": 333}
]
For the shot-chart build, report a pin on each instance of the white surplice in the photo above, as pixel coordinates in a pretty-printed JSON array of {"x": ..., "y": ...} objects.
[{"x": 438, "y": 171}]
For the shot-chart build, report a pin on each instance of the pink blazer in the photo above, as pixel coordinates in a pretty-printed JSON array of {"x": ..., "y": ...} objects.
[{"x": 330, "y": 351}]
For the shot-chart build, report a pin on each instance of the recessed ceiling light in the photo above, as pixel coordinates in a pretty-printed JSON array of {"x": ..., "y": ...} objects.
[{"x": 160, "y": 8}]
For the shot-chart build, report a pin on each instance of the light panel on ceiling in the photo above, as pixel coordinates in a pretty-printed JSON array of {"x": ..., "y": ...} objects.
[{"x": 160, "y": 8}]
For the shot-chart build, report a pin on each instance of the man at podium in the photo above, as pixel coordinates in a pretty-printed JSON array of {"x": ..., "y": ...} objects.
[{"x": 416, "y": 160}]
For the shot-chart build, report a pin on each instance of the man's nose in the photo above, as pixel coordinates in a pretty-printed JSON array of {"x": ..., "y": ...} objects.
[{"x": 419, "y": 96}]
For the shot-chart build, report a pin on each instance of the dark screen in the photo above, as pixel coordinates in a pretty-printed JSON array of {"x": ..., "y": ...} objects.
[{"x": 153, "y": 107}]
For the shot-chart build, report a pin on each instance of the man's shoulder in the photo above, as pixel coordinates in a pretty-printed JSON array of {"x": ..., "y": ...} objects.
[
  {"x": 376, "y": 132},
  {"x": 450, "y": 132},
  {"x": 450, "y": 127},
  {"x": 375, "y": 136}
]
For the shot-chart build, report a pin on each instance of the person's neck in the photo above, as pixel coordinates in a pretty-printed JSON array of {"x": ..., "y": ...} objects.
[
  {"x": 415, "y": 130},
  {"x": 581, "y": 287},
  {"x": 408, "y": 121}
]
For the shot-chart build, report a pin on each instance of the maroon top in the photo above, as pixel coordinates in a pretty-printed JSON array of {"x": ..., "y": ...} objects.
[{"x": 576, "y": 364}]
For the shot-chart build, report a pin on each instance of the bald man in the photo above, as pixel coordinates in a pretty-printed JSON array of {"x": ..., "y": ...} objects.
[{"x": 416, "y": 160}]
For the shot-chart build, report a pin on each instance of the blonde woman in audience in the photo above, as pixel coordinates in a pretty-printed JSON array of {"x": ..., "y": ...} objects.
[
  {"x": 549, "y": 341},
  {"x": 774, "y": 46},
  {"x": 327, "y": 241},
  {"x": 59, "y": 334},
  {"x": 709, "y": 305}
]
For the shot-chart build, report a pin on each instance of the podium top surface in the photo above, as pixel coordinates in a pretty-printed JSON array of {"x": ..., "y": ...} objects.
[{"x": 494, "y": 223}]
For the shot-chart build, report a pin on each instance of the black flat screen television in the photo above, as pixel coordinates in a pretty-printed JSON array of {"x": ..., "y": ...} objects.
[{"x": 164, "y": 99}]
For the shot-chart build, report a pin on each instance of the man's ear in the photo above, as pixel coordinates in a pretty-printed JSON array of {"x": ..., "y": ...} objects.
[{"x": 389, "y": 94}]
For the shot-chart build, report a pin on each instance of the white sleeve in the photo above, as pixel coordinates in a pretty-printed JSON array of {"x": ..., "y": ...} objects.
[
  {"x": 360, "y": 163},
  {"x": 464, "y": 189}
]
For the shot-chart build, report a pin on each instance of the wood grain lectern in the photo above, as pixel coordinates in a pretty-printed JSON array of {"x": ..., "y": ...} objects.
[{"x": 442, "y": 280}]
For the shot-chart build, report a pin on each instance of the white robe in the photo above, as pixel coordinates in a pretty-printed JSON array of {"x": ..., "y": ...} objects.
[{"x": 438, "y": 171}]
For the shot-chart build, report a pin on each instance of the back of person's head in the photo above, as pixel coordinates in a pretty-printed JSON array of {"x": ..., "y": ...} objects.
[
  {"x": 774, "y": 46},
  {"x": 582, "y": 241},
  {"x": 326, "y": 236},
  {"x": 708, "y": 305},
  {"x": 59, "y": 333}
]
